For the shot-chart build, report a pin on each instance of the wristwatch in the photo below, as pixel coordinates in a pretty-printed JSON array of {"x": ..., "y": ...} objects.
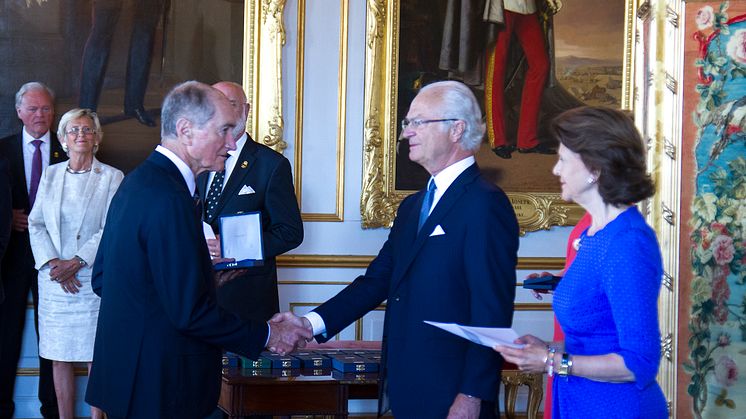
[
  {"x": 565, "y": 367},
  {"x": 80, "y": 260}
]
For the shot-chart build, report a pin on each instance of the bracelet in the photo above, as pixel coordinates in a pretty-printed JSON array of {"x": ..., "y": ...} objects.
[
  {"x": 550, "y": 357},
  {"x": 565, "y": 367}
]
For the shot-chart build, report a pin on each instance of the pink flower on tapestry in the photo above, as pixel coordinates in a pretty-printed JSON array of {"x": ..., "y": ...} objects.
[
  {"x": 718, "y": 228},
  {"x": 737, "y": 46},
  {"x": 705, "y": 18},
  {"x": 723, "y": 250},
  {"x": 726, "y": 371}
]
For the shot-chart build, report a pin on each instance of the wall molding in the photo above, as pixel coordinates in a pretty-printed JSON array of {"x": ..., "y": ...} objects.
[{"x": 362, "y": 261}]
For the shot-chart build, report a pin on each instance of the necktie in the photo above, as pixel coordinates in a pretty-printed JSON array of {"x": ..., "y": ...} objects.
[
  {"x": 197, "y": 205},
  {"x": 214, "y": 194},
  {"x": 427, "y": 202},
  {"x": 35, "y": 172}
]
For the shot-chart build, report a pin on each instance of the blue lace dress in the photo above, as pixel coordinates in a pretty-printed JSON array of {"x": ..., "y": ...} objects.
[{"x": 607, "y": 303}]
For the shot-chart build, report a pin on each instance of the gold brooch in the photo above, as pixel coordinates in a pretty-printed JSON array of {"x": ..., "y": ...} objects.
[{"x": 244, "y": 164}]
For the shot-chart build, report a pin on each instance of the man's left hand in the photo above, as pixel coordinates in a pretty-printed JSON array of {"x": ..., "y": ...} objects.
[{"x": 465, "y": 407}]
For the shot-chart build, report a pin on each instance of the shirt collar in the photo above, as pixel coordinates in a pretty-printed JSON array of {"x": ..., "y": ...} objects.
[
  {"x": 27, "y": 138},
  {"x": 185, "y": 171},
  {"x": 239, "y": 145},
  {"x": 445, "y": 178}
]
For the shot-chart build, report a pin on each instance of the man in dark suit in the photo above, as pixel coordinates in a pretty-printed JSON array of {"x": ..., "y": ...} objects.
[
  {"x": 159, "y": 337},
  {"x": 256, "y": 178},
  {"x": 6, "y": 214},
  {"x": 96, "y": 54},
  {"x": 450, "y": 257},
  {"x": 28, "y": 153}
]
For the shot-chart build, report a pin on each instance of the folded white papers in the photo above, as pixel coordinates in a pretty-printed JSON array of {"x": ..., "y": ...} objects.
[{"x": 487, "y": 336}]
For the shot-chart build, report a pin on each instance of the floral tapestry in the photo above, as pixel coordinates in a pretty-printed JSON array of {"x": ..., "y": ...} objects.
[{"x": 716, "y": 361}]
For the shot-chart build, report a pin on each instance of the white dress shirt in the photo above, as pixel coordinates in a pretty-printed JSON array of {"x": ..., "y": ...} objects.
[
  {"x": 28, "y": 153},
  {"x": 443, "y": 181}
]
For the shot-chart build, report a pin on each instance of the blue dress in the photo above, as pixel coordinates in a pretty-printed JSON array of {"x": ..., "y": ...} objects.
[{"x": 608, "y": 303}]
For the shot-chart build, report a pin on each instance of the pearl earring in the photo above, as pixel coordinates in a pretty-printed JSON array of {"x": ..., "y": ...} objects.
[{"x": 591, "y": 180}]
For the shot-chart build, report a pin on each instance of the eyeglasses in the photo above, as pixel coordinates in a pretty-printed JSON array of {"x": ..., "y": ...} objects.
[
  {"x": 414, "y": 123},
  {"x": 75, "y": 131}
]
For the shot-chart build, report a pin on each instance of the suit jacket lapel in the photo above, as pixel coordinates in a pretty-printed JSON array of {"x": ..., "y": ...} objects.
[
  {"x": 90, "y": 186},
  {"x": 56, "y": 154},
  {"x": 57, "y": 184},
  {"x": 444, "y": 206}
]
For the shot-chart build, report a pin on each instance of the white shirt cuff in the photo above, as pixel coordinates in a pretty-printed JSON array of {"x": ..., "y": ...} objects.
[{"x": 317, "y": 323}]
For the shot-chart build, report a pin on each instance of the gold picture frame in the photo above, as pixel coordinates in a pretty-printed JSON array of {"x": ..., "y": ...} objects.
[{"x": 379, "y": 197}]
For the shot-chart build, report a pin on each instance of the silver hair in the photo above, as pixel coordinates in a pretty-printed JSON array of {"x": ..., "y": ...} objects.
[
  {"x": 32, "y": 85},
  {"x": 190, "y": 100},
  {"x": 76, "y": 113},
  {"x": 457, "y": 101}
]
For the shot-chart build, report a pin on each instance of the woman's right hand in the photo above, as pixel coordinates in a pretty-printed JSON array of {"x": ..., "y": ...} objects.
[{"x": 63, "y": 271}]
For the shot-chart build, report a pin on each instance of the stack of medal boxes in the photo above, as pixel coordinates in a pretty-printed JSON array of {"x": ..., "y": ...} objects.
[{"x": 318, "y": 362}]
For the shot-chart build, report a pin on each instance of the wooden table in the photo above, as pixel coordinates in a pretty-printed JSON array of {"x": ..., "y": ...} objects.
[{"x": 294, "y": 392}]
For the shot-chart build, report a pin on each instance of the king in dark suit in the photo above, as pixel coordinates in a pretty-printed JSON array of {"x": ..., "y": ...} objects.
[
  {"x": 28, "y": 153},
  {"x": 256, "y": 178},
  {"x": 160, "y": 333},
  {"x": 450, "y": 257}
]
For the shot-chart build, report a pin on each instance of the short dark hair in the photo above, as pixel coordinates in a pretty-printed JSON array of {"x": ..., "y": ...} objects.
[{"x": 608, "y": 143}]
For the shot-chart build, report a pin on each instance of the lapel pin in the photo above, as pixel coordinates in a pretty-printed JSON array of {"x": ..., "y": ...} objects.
[
  {"x": 244, "y": 164},
  {"x": 56, "y": 154}
]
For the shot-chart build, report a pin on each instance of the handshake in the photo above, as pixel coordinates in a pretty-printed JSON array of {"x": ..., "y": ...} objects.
[{"x": 287, "y": 332}]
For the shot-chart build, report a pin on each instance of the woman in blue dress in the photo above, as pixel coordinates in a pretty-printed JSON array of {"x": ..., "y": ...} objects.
[{"x": 607, "y": 300}]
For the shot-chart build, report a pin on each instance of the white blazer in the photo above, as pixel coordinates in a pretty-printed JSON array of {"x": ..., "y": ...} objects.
[{"x": 44, "y": 219}]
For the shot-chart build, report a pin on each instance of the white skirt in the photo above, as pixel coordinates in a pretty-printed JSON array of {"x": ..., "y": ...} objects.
[{"x": 67, "y": 322}]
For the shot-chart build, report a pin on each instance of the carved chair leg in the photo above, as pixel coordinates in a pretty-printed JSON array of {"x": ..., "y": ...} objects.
[{"x": 511, "y": 393}]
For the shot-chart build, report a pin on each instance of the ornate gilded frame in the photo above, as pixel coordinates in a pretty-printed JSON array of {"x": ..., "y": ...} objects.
[
  {"x": 379, "y": 198},
  {"x": 264, "y": 36}
]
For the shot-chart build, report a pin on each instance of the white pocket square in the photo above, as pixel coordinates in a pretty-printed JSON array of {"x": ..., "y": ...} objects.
[
  {"x": 437, "y": 231},
  {"x": 246, "y": 190}
]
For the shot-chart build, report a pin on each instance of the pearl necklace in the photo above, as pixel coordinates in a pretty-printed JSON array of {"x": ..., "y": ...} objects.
[{"x": 77, "y": 172}]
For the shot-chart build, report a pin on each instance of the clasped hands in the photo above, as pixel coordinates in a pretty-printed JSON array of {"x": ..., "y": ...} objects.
[
  {"x": 288, "y": 332},
  {"x": 63, "y": 271}
]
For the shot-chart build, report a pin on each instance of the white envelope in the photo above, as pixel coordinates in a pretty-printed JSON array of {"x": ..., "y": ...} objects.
[
  {"x": 437, "y": 231},
  {"x": 246, "y": 190}
]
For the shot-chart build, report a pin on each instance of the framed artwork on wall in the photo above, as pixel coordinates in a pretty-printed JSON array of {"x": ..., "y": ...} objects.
[{"x": 408, "y": 43}]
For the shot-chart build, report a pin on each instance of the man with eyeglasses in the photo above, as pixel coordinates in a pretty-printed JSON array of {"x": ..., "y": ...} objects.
[
  {"x": 450, "y": 257},
  {"x": 28, "y": 153}
]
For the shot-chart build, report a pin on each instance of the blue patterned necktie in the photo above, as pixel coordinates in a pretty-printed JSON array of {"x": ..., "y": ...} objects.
[
  {"x": 427, "y": 202},
  {"x": 213, "y": 195}
]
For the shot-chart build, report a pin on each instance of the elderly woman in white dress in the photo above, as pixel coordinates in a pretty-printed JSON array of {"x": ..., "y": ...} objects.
[{"x": 65, "y": 227}]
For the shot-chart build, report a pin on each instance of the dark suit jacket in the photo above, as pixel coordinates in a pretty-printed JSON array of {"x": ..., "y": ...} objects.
[
  {"x": 5, "y": 213},
  {"x": 18, "y": 259},
  {"x": 465, "y": 276},
  {"x": 160, "y": 333},
  {"x": 254, "y": 295}
]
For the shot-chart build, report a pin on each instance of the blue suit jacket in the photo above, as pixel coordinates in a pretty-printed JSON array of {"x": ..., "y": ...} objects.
[
  {"x": 466, "y": 276},
  {"x": 160, "y": 332}
]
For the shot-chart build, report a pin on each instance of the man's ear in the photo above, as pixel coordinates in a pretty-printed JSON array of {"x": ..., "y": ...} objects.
[
  {"x": 457, "y": 130},
  {"x": 184, "y": 130}
]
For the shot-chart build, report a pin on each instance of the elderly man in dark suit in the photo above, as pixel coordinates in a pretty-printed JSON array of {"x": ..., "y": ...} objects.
[
  {"x": 28, "y": 153},
  {"x": 256, "y": 178},
  {"x": 158, "y": 343},
  {"x": 450, "y": 257}
]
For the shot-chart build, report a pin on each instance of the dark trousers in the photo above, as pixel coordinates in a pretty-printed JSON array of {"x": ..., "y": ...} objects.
[
  {"x": 18, "y": 277},
  {"x": 98, "y": 46}
]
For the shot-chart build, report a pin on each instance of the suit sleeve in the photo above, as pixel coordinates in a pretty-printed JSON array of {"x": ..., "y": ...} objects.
[
  {"x": 88, "y": 250},
  {"x": 180, "y": 267},
  {"x": 490, "y": 251},
  {"x": 6, "y": 213},
  {"x": 286, "y": 226},
  {"x": 41, "y": 243},
  {"x": 365, "y": 293}
]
